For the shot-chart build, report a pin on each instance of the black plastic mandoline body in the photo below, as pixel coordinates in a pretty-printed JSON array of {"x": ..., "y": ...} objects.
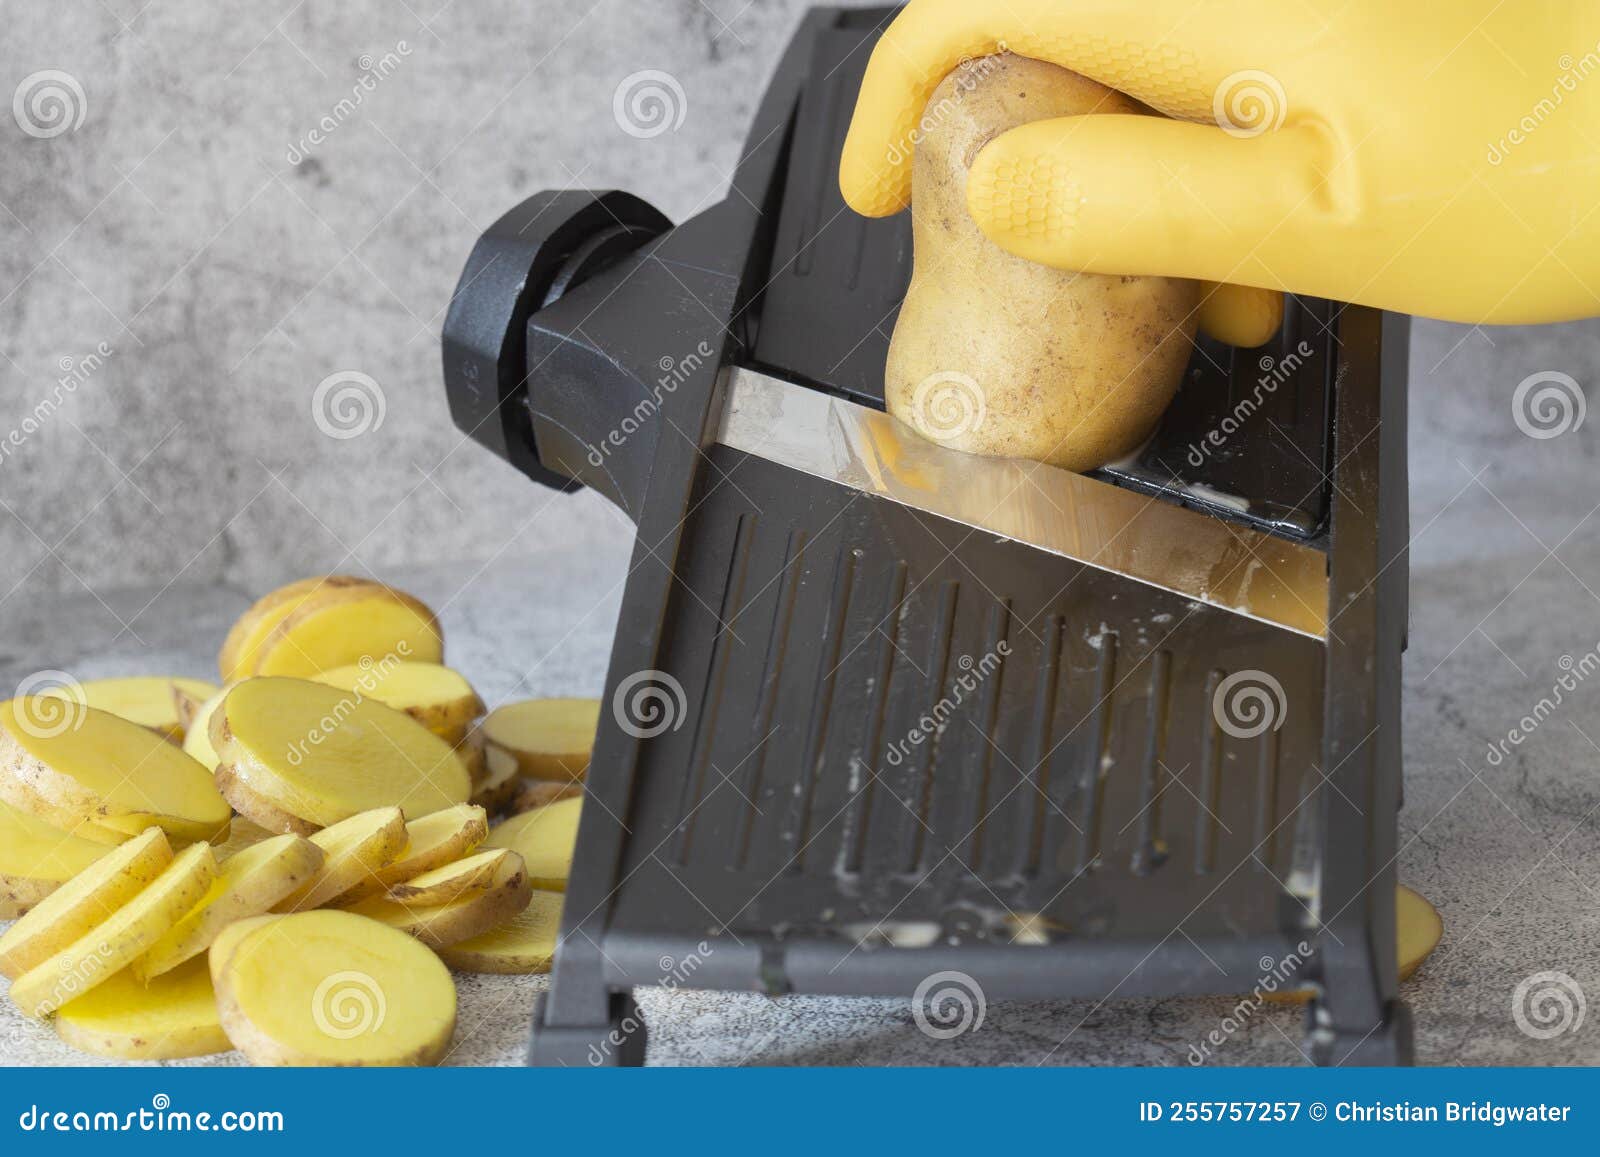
[{"x": 1077, "y": 821}]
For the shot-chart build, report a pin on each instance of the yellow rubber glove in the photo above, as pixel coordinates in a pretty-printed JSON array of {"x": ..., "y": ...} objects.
[{"x": 1439, "y": 159}]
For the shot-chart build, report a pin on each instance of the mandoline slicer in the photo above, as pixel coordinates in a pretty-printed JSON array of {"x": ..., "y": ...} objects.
[{"x": 878, "y": 710}]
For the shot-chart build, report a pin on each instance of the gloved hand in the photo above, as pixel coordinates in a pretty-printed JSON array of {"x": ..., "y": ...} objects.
[{"x": 1437, "y": 159}]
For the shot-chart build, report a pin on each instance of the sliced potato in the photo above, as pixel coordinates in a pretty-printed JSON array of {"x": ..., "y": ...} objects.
[
  {"x": 91, "y": 897},
  {"x": 234, "y": 935},
  {"x": 112, "y": 945},
  {"x": 462, "y": 918},
  {"x": 36, "y": 859},
  {"x": 20, "y": 893},
  {"x": 435, "y": 696},
  {"x": 258, "y": 810},
  {"x": 242, "y": 833},
  {"x": 455, "y": 736},
  {"x": 21, "y": 798},
  {"x": 1419, "y": 932},
  {"x": 431, "y": 842},
  {"x": 526, "y": 943},
  {"x": 334, "y": 988},
  {"x": 247, "y": 884},
  {"x": 465, "y": 877},
  {"x": 353, "y": 851},
  {"x": 197, "y": 739},
  {"x": 174, "y": 1016},
  {"x": 470, "y": 750},
  {"x": 148, "y": 700},
  {"x": 186, "y": 830},
  {"x": 96, "y": 834},
  {"x": 240, "y": 649},
  {"x": 188, "y": 696},
  {"x": 537, "y": 793},
  {"x": 108, "y": 770},
  {"x": 544, "y": 838},
  {"x": 549, "y": 738},
  {"x": 320, "y": 755},
  {"x": 335, "y": 628},
  {"x": 499, "y": 780}
]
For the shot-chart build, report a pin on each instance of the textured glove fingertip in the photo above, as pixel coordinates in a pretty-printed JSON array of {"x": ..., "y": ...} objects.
[
  {"x": 876, "y": 181},
  {"x": 1026, "y": 203},
  {"x": 1241, "y": 315}
]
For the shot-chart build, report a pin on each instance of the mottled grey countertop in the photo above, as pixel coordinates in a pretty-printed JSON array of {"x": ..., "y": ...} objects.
[{"x": 1505, "y": 569}]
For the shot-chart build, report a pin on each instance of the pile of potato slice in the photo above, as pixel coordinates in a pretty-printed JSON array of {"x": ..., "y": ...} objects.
[{"x": 288, "y": 862}]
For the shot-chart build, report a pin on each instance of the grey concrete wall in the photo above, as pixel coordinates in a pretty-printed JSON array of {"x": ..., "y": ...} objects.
[{"x": 227, "y": 282}]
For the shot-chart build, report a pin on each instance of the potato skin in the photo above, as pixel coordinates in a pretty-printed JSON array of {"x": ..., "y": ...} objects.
[
  {"x": 523, "y": 945},
  {"x": 461, "y": 919},
  {"x": 533, "y": 794},
  {"x": 1000, "y": 356},
  {"x": 19, "y": 894},
  {"x": 256, "y": 808}
]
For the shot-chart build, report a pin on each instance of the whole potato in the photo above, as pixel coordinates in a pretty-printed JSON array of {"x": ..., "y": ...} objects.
[{"x": 1000, "y": 356}]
